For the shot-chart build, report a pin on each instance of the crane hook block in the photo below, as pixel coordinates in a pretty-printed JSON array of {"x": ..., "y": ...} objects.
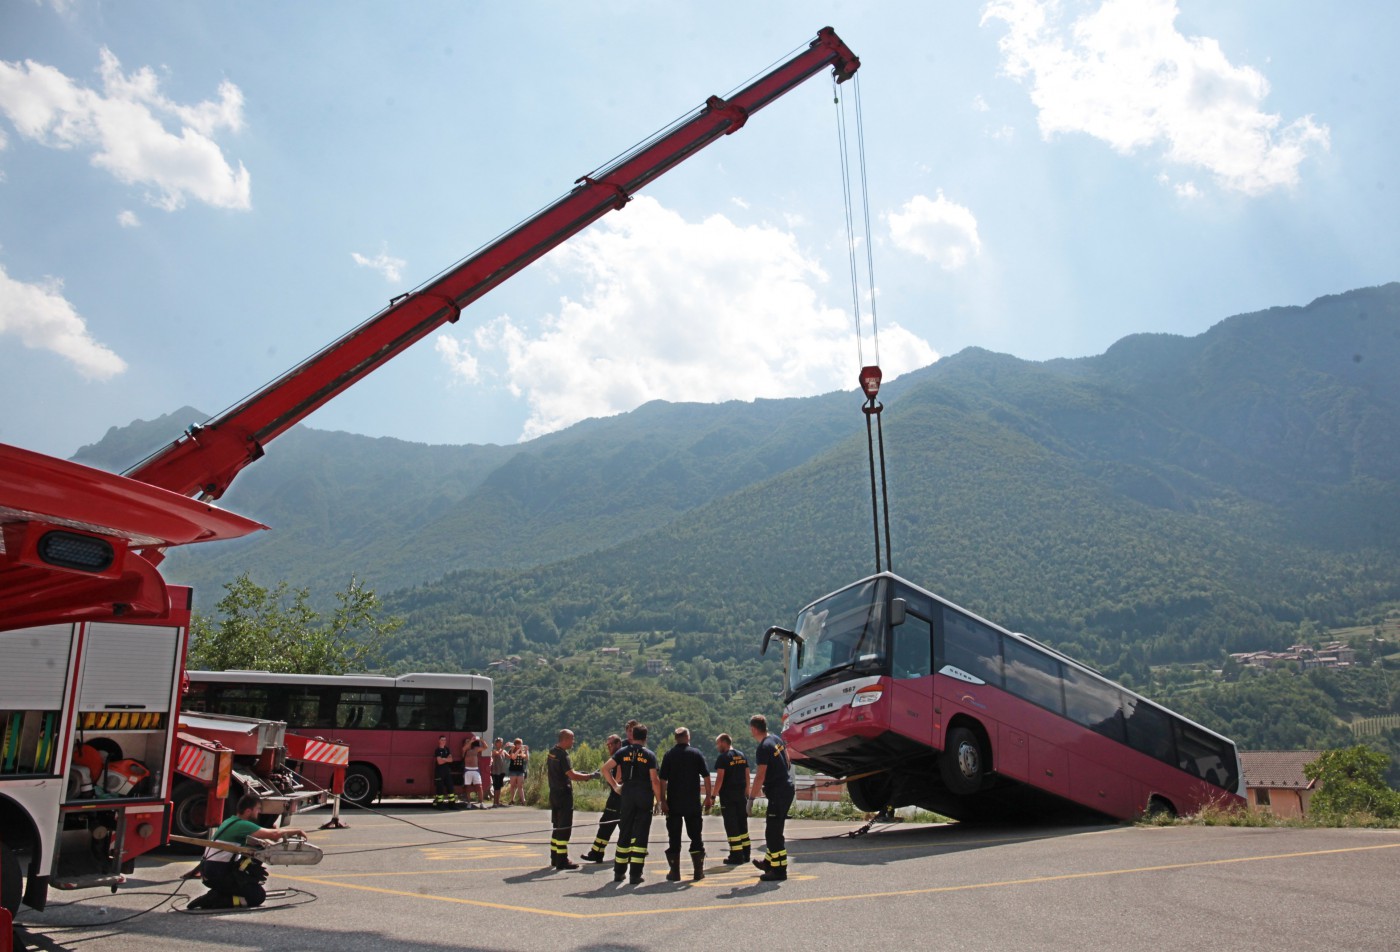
[{"x": 870, "y": 381}]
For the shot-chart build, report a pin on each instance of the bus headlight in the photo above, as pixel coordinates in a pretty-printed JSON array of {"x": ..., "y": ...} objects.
[{"x": 867, "y": 696}]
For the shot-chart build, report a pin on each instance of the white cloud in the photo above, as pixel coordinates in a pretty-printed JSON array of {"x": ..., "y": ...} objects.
[
  {"x": 127, "y": 219},
  {"x": 43, "y": 319},
  {"x": 124, "y": 126},
  {"x": 680, "y": 311},
  {"x": 937, "y": 230},
  {"x": 459, "y": 358},
  {"x": 1125, "y": 75},
  {"x": 386, "y": 264}
]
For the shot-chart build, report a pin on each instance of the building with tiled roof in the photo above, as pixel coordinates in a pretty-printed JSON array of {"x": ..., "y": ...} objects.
[{"x": 1274, "y": 780}]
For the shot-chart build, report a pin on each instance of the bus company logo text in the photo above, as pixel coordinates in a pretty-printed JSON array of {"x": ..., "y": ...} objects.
[{"x": 971, "y": 701}]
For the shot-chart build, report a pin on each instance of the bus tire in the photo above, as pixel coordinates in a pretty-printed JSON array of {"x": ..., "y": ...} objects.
[
  {"x": 1159, "y": 808},
  {"x": 963, "y": 763},
  {"x": 11, "y": 879},
  {"x": 362, "y": 785},
  {"x": 871, "y": 794}
]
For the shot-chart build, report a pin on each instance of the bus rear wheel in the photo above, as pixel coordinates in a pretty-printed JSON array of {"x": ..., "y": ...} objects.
[
  {"x": 12, "y": 887},
  {"x": 361, "y": 785},
  {"x": 963, "y": 763},
  {"x": 1159, "y": 809}
]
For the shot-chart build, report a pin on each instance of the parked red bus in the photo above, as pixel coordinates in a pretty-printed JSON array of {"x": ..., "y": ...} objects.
[
  {"x": 920, "y": 702},
  {"x": 391, "y": 724}
]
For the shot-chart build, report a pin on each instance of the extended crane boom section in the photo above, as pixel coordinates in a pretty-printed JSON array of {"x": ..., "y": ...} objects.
[{"x": 207, "y": 458}]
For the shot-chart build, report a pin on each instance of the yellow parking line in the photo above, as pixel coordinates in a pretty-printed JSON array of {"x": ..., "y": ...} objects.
[{"x": 711, "y": 907}]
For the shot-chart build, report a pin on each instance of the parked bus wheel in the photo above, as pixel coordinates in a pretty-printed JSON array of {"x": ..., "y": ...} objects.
[
  {"x": 963, "y": 763},
  {"x": 11, "y": 878},
  {"x": 362, "y": 785}
]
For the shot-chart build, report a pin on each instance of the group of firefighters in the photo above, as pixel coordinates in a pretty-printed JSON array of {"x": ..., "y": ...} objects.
[{"x": 679, "y": 783}]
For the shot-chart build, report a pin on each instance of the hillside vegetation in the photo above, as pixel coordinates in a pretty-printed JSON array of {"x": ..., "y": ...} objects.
[{"x": 1168, "y": 501}]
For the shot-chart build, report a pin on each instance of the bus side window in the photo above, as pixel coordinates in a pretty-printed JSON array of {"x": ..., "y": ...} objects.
[
  {"x": 356, "y": 708},
  {"x": 971, "y": 647},
  {"x": 1149, "y": 729},
  {"x": 1205, "y": 755},
  {"x": 1034, "y": 675},
  {"x": 1093, "y": 703},
  {"x": 913, "y": 648}
]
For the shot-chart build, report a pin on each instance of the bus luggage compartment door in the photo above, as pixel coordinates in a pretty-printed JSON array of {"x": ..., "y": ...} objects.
[{"x": 1049, "y": 767}]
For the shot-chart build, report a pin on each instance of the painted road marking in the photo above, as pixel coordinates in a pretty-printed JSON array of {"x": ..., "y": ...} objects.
[{"x": 739, "y": 904}]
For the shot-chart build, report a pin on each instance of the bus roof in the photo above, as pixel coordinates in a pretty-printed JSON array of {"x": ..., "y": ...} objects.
[{"x": 419, "y": 680}]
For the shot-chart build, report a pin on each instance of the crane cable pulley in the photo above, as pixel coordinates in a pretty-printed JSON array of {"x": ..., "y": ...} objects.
[{"x": 869, "y": 373}]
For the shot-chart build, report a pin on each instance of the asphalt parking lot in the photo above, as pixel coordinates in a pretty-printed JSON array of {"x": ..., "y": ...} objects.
[{"x": 479, "y": 880}]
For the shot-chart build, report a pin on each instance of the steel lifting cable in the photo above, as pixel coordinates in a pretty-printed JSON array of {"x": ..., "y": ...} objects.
[{"x": 869, "y": 375}]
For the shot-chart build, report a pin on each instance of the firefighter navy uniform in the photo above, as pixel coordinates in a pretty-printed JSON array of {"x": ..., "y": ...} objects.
[
  {"x": 636, "y": 765},
  {"x": 561, "y": 806},
  {"x": 779, "y": 789},
  {"x": 683, "y": 769},
  {"x": 446, "y": 794},
  {"x": 734, "y": 803}
]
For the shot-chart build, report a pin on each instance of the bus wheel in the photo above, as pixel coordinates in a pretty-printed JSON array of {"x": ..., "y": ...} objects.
[
  {"x": 963, "y": 763},
  {"x": 11, "y": 884},
  {"x": 1159, "y": 809},
  {"x": 361, "y": 785},
  {"x": 870, "y": 794}
]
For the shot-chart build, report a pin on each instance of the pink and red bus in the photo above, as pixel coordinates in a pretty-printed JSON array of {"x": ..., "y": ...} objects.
[
  {"x": 920, "y": 702},
  {"x": 390, "y": 723}
]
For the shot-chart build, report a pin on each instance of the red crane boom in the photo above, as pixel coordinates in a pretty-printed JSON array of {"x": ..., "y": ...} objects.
[{"x": 206, "y": 459}]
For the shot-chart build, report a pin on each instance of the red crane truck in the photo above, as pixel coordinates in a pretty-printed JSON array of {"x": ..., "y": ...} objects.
[{"x": 81, "y": 594}]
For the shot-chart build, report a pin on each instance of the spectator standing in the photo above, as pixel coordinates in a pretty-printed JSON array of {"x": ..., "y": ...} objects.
[
  {"x": 445, "y": 797},
  {"x": 515, "y": 771},
  {"x": 500, "y": 761},
  {"x": 473, "y": 748}
]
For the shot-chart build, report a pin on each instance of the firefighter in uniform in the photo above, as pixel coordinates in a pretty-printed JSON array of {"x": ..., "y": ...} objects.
[
  {"x": 234, "y": 879},
  {"x": 732, "y": 787},
  {"x": 683, "y": 773},
  {"x": 638, "y": 787},
  {"x": 446, "y": 798},
  {"x": 611, "y": 810},
  {"x": 772, "y": 776},
  {"x": 559, "y": 770}
]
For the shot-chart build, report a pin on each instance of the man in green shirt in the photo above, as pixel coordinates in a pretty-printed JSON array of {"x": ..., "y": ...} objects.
[{"x": 235, "y": 879}]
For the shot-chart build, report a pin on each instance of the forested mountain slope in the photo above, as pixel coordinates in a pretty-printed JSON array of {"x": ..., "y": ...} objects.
[{"x": 1169, "y": 499}]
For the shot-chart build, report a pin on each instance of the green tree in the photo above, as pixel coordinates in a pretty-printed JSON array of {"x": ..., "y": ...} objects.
[
  {"x": 278, "y": 630},
  {"x": 1352, "y": 782}
]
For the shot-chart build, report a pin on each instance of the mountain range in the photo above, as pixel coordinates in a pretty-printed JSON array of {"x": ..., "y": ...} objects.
[{"x": 1170, "y": 499}]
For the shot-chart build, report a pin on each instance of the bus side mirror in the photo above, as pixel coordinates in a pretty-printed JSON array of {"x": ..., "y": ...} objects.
[
  {"x": 786, "y": 635},
  {"x": 898, "y": 607}
]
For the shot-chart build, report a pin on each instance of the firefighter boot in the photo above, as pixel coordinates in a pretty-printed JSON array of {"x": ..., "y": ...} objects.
[
  {"x": 697, "y": 862},
  {"x": 673, "y": 860},
  {"x": 594, "y": 855}
]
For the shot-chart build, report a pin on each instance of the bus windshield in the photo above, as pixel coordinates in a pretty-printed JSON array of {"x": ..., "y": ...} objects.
[{"x": 843, "y": 631}]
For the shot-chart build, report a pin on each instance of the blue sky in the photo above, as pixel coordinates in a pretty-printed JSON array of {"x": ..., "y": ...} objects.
[{"x": 194, "y": 196}]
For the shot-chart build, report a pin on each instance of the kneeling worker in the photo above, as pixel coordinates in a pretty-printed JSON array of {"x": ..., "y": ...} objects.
[{"x": 235, "y": 880}]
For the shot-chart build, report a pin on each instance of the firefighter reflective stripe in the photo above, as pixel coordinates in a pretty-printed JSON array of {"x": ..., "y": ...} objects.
[
  {"x": 624, "y": 853},
  {"x": 638, "y": 855},
  {"x": 778, "y": 859},
  {"x": 559, "y": 847},
  {"x": 739, "y": 842}
]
